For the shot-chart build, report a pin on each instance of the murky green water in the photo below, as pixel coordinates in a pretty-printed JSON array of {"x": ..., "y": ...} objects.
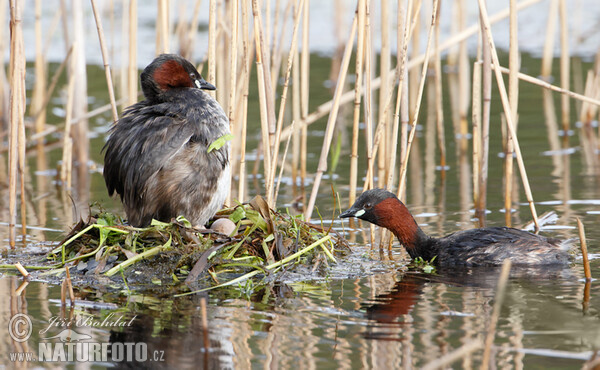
[{"x": 377, "y": 315}]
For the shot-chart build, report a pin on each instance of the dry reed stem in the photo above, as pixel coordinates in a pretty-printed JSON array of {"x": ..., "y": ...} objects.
[
  {"x": 447, "y": 359},
  {"x": 284, "y": 94},
  {"x": 360, "y": 54},
  {"x": 322, "y": 166},
  {"x": 368, "y": 111},
  {"x": 498, "y": 299},
  {"x": 486, "y": 96},
  {"x": 565, "y": 67},
  {"x": 132, "y": 71},
  {"x": 111, "y": 92},
  {"x": 548, "y": 52},
  {"x": 22, "y": 269},
  {"x": 513, "y": 96},
  {"x": 508, "y": 113},
  {"x": 162, "y": 27},
  {"x": 67, "y": 164},
  {"x": 245, "y": 77},
  {"x": 413, "y": 124},
  {"x": 583, "y": 243},
  {"x": 51, "y": 87},
  {"x": 304, "y": 90},
  {"x": 212, "y": 43},
  {"x": 233, "y": 54},
  {"x": 439, "y": 109},
  {"x": 262, "y": 93},
  {"x": 539, "y": 82},
  {"x": 476, "y": 119},
  {"x": 17, "y": 76},
  {"x": 39, "y": 86},
  {"x": 383, "y": 115},
  {"x": 403, "y": 35}
]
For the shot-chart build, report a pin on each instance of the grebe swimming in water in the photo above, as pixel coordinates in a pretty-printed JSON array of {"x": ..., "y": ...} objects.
[
  {"x": 157, "y": 156},
  {"x": 475, "y": 247}
]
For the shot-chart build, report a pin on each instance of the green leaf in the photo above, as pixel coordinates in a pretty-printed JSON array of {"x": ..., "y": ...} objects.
[
  {"x": 184, "y": 221},
  {"x": 218, "y": 144},
  {"x": 238, "y": 214}
]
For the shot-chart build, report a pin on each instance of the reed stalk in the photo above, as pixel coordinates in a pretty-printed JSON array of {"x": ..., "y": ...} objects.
[
  {"x": 439, "y": 110},
  {"x": 403, "y": 35},
  {"x": 322, "y": 166},
  {"x": 565, "y": 69},
  {"x": 383, "y": 115},
  {"x": 132, "y": 71},
  {"x": 16, "y": 109},
  {"x": 583, "y": 244},
  {"x": 539, "y": 82},
  {"x": 212, "y": 43},
  {"x": 233, "y": 54},
  {"x": 476, "y": 119},
  {"x": 39, "y": 86},
  {"x": 548, "y": 52},
  {"x": 245, "y": 77},
  {"x": 360, "y": 54},
  {"x": 262, "y": 93},
  {"x": 463, "y": 84},
  {"x": 53, "y": 82},
  {"x": 368, "y": 111},
  {"x": 486, "y": 95},
  {"x": 513, "y": 96},
  {"x": 284, "y": 93},
  {"x": 111, "y": 92},
  {"x": 508, "y": 113},
  {"x": 413, "y": 123},
  {"x": 304, "y": 90},
  {"x": 498, "y": 300},
  {"x": 67, "y": 163},
  {"x": 162, "y": 28}
]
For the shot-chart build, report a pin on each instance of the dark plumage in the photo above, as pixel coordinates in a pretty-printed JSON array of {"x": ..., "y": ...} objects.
[
  {"x": 157, "y": 156},
  {"x": 475, "y": 247}
]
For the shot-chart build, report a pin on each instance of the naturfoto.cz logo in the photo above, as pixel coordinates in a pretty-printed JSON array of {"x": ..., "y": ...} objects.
[{"x": 72, "y": 346}]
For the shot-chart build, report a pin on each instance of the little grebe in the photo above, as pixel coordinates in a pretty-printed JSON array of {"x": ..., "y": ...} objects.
[
  {"x": 157, "y": 156},
  {"x": 475, "y": 247}
]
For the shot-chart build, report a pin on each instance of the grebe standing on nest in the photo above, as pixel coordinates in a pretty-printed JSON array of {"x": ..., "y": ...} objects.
[
  {"x": 474, "y": 247},
  {"x": 157, "y": 156}
]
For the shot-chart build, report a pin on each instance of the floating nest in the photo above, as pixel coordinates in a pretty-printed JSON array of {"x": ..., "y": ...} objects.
[{"x": 263, "y": 244}]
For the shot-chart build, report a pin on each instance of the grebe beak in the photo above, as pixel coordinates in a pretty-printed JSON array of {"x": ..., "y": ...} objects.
[
  {"x": 202, "y": 84},
  {"x": 352, "y": 212}
]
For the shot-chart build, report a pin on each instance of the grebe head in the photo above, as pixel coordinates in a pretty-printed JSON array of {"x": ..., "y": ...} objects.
[
  {"x": 375, "y": 206},
  {"x": 171, "y": 71}
]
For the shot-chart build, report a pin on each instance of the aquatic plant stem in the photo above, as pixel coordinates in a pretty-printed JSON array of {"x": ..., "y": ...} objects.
[
  {"x": 513, "y": 96},
  {"x": 413, "y": 129},
  {"x": 132, "y": 71},
  {"x": 565, "y": 68},
  {"x": 507, "y": 110},
  {"x": 263, "y": 93},
  {"x": 583, "y": 243},
  {"x": 111, "y": 93},
  {"x": 322, "y": 166},
  {"x": 360, "y": 54}
]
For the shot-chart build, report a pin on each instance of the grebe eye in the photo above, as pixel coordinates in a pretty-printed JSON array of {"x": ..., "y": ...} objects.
[{"x": 368, "y": 205}]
